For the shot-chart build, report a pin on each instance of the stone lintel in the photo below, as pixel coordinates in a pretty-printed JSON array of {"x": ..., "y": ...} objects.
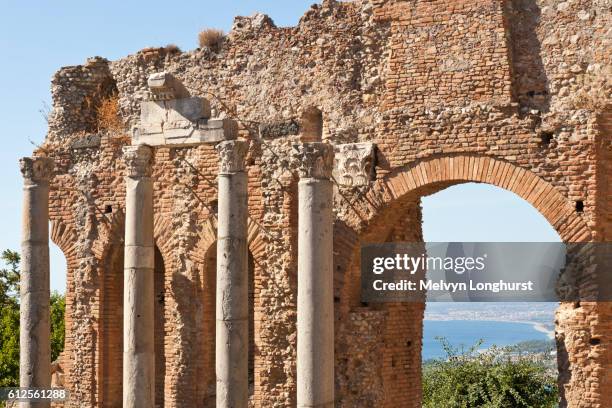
[
  {"x": 354, "y": 164},
  {"x": 86, "y": 142},
  {"x": 181, "y": 122}
]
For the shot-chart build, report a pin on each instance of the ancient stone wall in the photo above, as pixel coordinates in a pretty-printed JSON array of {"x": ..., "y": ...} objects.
[{"x": 512, "y": 93}]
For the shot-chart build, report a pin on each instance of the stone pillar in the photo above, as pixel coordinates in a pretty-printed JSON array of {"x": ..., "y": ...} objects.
[
  {"x": 138, "y": 299},
  {"x": 35, "y": 331},
  {"x": 232, "y": 331},
  {"x": 315, "y": 308}
]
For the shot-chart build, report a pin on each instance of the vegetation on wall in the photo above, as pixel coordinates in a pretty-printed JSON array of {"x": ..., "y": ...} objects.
[
  {"x": 9, "y": 320},
  {"x": 211, "y": 38},
  {"x": 108, "y": 116},
  {"x": 494, "y": 378},
  {"x": 172, "y": 49}
]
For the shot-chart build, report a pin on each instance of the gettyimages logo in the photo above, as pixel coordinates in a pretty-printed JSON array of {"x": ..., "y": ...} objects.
[
  {"x": 486, "y": 272},
  {"x": 412, "y": 264}
]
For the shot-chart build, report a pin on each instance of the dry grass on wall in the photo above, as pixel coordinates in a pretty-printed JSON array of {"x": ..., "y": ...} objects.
[
  {"x": 172, "y": 49},
  {"x": 211, "y": 38},
  {"x": 108, "y": 116}
]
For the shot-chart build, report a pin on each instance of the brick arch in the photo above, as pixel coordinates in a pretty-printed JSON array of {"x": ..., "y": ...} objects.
[
  {"x": 256, "y": 237},
  {"x": 164, "y": 237},
  {"x": 436, "y": 173},
  {"x": 108, "y": 249},
  {"x": 374, "y": 215},
  {"x": 110, "y": 235},
  {"x": 107, "y": 243},
  {"x": 65, "y": 237},
  {"x": 256, "y": 244}
]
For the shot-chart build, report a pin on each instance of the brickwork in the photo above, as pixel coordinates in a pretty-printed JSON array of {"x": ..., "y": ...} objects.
[{"x": 510, "y": 93}]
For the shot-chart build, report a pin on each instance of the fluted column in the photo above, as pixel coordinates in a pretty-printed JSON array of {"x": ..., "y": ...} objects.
[
  {"x": 315, "y": 308},
  {"x": 35, "y": 331},
  {"x": 232, "y": 331},
  {"x": 138, "y": 324}
]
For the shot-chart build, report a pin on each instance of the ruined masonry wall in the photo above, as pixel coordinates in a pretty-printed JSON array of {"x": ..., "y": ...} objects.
[{"x": 519, "y": 81}]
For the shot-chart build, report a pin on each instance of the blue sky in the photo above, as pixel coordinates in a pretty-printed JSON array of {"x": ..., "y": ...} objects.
[
  {"x": 481, "y": 212},
  {"x": 38, "y": 37}
]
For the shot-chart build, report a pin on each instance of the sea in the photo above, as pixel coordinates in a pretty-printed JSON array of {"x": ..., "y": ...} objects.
[{"x": 466, "y": 333}]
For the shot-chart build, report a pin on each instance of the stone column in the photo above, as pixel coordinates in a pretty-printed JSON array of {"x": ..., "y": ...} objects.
[
  {"x": 315, "y": 308},
  {"x": 232, "y": 331},
  {"x": 138, "y": 299},
  {"x": 35, "y": 331}
]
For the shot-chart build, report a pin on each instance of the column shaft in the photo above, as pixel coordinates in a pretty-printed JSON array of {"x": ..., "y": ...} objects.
[
  {"x": 232, "y": 327},
  {"x": 315, "y": 308},
  {"x": 139, "y": 262},
  {"x": 35, "y": 330}
]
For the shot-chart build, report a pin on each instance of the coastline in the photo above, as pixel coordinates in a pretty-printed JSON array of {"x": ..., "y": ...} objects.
[
  {"x": 541, "y": 328},
  {"x": 536, "y": 325}
]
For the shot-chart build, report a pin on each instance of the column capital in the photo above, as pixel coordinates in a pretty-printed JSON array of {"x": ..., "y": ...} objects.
[
  {"x": 36, "y": 168},
  {"x": 231, "y": 156},
  {"x": 316, "y": 160},
  {"x": 354, "y": 164},
  {"x": 138, "y": 160}
]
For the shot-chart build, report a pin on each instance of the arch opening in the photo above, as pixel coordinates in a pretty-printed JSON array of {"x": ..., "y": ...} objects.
[
  {"x": 110, "y": 388},
  {"x": 311, "y": 125},
  {"x": 392, "y": 212},
  {"x": 453, "y": 212},
  {"x": 472, "y": 212},
  {"x": 58, "y": 278}
]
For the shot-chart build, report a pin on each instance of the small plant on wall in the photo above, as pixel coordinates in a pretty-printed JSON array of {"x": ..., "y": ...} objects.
[
  {"x": 108, "y": 117},
  {"x": 211, "y": 38}
]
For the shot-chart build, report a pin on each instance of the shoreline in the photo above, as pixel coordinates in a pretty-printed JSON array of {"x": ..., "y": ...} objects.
[{"x": 536, "y": 325}]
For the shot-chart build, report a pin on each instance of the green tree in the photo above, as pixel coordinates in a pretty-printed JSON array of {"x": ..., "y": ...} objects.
[
  {"x": 495, "y": 378},
  {"x": 58, "y": 329},
  {"x": 9, "y": 320},
  {"x": 9, "y": 346},
  {"x": 9, "y": 277}
]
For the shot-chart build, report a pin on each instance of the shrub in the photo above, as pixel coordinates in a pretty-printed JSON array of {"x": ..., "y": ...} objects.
[
  {"x": 495, "y": 378},
  {"x": 58, "y": 327},
  {"x": 9, "y": 321},
  {"x": 107, "y": 114},
  {"x": 9, "y": 345},
  {"x": 211, "y": 38},
  {"x": 172, "y": 49}
]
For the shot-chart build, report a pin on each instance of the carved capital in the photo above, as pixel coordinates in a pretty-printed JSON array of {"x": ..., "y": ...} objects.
[
  {"x": 316, "y": 160},
  {"x": 354, "y": 164},
  {"x": 231, "y": 156},
  {"x": 36, "y": 168},
  {"x": 138, "y": 160}
]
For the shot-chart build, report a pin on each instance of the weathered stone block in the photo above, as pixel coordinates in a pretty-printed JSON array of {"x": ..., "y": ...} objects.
[
  {"x": 164, "y": 86},
  {"x": 354, "y": 164},
  {"x": 181, "y": 122},
  {"x": 86, "y": 142}
]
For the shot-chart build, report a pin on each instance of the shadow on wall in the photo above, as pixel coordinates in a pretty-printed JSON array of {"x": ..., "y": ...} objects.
[{"x": 531, "y": 87}]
